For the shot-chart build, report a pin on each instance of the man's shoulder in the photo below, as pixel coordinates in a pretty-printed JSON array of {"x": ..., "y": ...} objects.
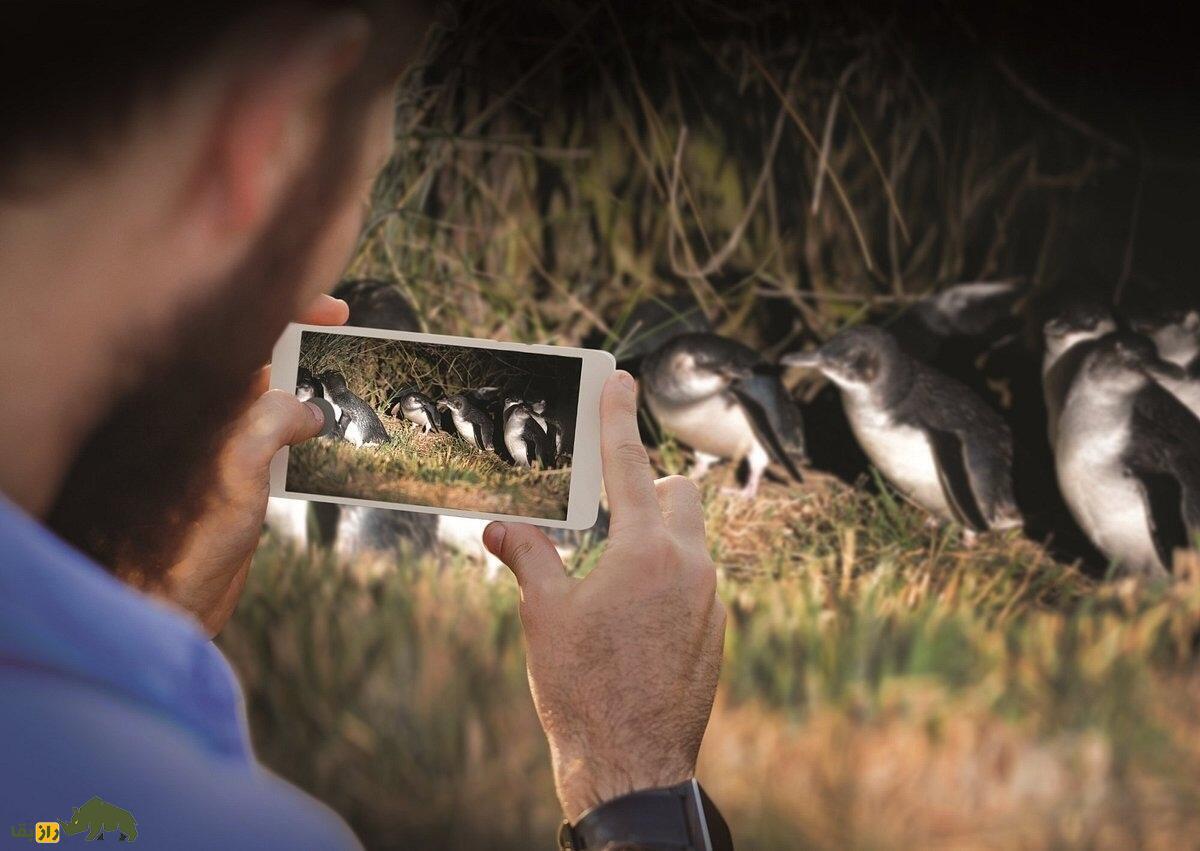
[{"x": 66, "y": 742}]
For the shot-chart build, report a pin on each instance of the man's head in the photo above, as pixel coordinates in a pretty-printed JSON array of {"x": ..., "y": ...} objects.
[{"x": 185, "y": 178}]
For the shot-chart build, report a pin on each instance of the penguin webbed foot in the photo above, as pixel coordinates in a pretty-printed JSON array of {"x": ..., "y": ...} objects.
[
  {"x": 703, "y": 463},
  {"x": 750, "y": 489}
]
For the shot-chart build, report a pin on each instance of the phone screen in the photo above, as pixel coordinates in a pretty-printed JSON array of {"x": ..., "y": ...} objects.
[{"x": 466, "y": 428}]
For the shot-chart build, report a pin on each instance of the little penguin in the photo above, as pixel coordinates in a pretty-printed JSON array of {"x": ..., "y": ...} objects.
[
  {"x": 358, "y": 421},
  {"x": 976, "y": 312},
  {"x": 527, "y": 442},
  {"x": 484, "y": 398},
  {"x": 968, "y": 309},
  {"x": 545, "y": 420},
  {"x": 472, "y": 423},
  {"x": 930, "y": 436},
  {"x": 1128, "y": 460},
  {"x": 307, "y": 385},
  {"x": 1069, "y": 337},
  {"x": 1176, "y": 335},
  {"x": 417, "y": 408},
  {"x": 721, "y": 399}
]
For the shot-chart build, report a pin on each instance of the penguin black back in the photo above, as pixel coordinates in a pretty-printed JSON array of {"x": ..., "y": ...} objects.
[
  {"x": 1164, "y": 454},
  {"x": 472, "y": 424},
  {"x": 359, "y": 423}
]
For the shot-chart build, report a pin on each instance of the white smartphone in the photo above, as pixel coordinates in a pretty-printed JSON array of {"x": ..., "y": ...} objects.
[{"x": 444, "y": 425}]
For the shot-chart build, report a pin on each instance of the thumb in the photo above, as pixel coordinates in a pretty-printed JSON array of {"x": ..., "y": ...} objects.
[
  {"x": 276, "y": 419},
  {"x": 529, "y": 554}
]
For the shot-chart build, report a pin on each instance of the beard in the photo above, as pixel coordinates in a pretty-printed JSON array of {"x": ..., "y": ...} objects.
[{"x": 147, "y": 471}]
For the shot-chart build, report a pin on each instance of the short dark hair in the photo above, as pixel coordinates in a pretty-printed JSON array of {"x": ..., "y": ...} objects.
[{"x": 71, "y": 73}]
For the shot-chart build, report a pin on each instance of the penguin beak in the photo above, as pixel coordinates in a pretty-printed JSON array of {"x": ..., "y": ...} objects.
[
  {"x": 804, "y": 360},
  {"x": 1165, "y": 369},
  {"x": 1055, "y": 328}
]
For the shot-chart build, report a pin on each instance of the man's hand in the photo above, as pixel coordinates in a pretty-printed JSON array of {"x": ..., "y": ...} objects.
[
  {"x": 623, "y": 664},
  {"x": 209, "y": 578}
]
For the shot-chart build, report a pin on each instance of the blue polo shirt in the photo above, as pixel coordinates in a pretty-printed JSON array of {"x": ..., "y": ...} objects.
[{"x": 106, "y": 693}]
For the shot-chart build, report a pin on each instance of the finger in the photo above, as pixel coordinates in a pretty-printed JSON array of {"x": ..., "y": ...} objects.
[
  {"x": 325, "y": 310},
  {"x": 529, "y": 554},
  {"x": 628, "y": 477},
  {"x": 682, "y": 510},
  {"x": 276, "y": 419}
]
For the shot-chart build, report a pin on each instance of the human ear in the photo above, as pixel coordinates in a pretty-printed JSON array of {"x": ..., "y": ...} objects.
[{"x": 271, "y": 120}]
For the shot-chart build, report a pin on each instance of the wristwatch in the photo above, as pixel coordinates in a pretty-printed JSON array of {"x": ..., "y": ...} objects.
[{"x": 677, "y": 818}]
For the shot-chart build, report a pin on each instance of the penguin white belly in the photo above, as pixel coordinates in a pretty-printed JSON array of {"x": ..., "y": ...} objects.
[
  {"x": 903, "y": 454},
  {"x": 516, "y": 446},
  {"x": 419, "y": 417},
  {"x": 349, "y": 530},
  {"x": 716, "y": 425},
  {"x": 354, "y": 433},
  {"x": 465, "y": 429},
  {"x": 337, "y": 409},
  {"x": 1108, "y": 504},
  {"x": 288, "y": 518}
]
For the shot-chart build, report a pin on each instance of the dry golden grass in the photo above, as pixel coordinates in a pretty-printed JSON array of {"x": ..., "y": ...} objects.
[
  {"x": 873, "y": 695},
  {"x": 436, "y": 469}
]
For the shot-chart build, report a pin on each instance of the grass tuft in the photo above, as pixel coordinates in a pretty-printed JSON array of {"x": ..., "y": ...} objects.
[
  {"x": 436, "y": 469},
  {"x": 873, "y": 695}
]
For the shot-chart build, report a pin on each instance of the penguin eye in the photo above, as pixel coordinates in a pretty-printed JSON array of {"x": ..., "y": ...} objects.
[{"x": 865, "y": 365}]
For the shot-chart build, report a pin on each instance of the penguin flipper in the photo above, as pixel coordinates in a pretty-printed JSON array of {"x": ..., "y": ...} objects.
[
  {"x": 774, "y": 418},
  {"x": 1164, "y": 458},
  {"x": 1164, "y": 498},
  {"x": 949, "y": 452},
  {"x": 547, "y": 452},
  {"x": 431, "y": 413},
  {"x": 478, "y": 432},
  {"x": 537, "y": 445}
]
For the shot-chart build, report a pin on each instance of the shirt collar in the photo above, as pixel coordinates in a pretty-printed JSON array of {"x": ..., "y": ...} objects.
[{"x": 62, "y": 613}]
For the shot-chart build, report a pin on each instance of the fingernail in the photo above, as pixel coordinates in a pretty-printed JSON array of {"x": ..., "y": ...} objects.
[
  {"x": 626, "y": 380},
  {"x": 316, "y": 412},
  {"x": 493, "y": 537}
]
